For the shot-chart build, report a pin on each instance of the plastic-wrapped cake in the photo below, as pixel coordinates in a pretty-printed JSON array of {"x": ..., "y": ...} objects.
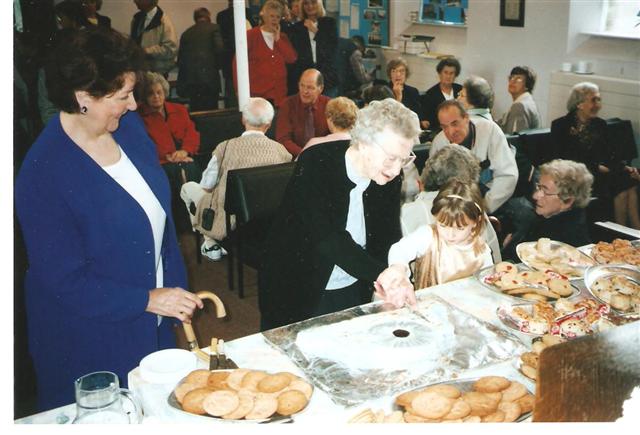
[{"x": 384, "y": 340}]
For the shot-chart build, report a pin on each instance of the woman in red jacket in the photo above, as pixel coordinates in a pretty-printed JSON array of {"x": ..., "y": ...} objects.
[
  {"x": 175, "y": 136},
  {"x": 269, "y": 51}
]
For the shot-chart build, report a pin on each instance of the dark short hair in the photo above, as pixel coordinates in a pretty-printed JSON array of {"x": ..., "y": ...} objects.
[
  {"x": 201, "y": 13},
  {"x": 73, "y": 11},
  {"x": 452, "y": 103},
  {"x": 92, "y": 60},
  {"x": 529, "y": 74},
  {"x": 479, "y": 92},
  {"x": 376, "y": 92},
  {"x": 449, "y": 61}
]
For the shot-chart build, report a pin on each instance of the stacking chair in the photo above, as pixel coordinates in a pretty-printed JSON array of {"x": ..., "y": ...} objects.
[{"x": 253, "y": 196}]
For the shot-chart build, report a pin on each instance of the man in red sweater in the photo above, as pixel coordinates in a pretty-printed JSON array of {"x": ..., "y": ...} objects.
[{"x": 301, "y": 116}]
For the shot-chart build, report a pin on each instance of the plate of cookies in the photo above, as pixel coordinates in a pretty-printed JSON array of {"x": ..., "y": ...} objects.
[
  {"x": 241, "y": 395},
  {"x": 489, "y": 399},
  {"x": 565, "y": 318},
  {"x": 619, "y": 251},
  {"x": 616, "y": 285},
  {"x": 546, "y": 254},
  {"x": 528, "y": 362},
  {"x": 520, "y": 282}
]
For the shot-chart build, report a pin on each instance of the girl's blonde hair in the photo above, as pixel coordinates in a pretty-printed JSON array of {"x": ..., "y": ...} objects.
[{"x": 457, "y": 203}]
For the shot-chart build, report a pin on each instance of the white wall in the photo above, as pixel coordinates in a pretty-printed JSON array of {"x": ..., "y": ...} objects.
[{"x": 551, "y": 36}]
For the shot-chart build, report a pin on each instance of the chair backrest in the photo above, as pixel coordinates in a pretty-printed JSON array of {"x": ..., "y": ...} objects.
[
  {"x": 620, "y": 135},
  {"x": 256, "y": 193},
  {"x": 536, "y": 144},
  {"x": 216, "y": 126}
]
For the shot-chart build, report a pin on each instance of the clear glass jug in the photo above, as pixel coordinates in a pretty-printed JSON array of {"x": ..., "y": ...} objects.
[{"x": 99, "y": 400}]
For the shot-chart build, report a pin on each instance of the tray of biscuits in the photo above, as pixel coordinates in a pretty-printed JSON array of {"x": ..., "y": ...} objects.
[
  {"x": 522, "y": 283},
  {"x": 528, "y": 362},
  {"x": 241, "y": 395},
  {"x": 619, "y": 251},
  {"x": 546, "y": 254},
  {"x": 616, "y": 285},
  {"x": 565, "y": 318},
  {"x": 489, "y": 399}
]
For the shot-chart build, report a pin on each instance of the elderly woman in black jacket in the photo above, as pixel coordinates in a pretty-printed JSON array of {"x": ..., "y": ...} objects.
[
  {"x": 582, "y": 136},
  {"x": 330, "y": 239}
]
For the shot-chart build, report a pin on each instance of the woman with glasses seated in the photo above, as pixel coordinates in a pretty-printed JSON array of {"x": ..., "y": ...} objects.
[
  {"x": 340, "y": 214},
  {"x": 523, "y": 113},
  {"x": 582, "y": 136},
  {"x": 560, "y": 198}
]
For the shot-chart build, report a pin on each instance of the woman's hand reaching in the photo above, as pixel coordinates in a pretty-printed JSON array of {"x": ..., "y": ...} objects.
[
  {"x": 394, "y": 287},
  {"x": 173, "y": 302}
]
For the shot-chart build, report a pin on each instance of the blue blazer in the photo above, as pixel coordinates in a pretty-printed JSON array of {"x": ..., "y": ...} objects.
[{"x": 91, "y": 260}]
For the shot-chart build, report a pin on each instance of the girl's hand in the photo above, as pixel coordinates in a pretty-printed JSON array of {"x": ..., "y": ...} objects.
[
  {"x": 173, "y": 302},
  {"x": 394, "y": 287},
  {"x": 603, "y": 169}
]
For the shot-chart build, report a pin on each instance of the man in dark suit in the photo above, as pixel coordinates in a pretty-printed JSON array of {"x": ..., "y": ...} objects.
[
  {"x": 198, "y": 62},
  {"x": 225, "y": 21}
]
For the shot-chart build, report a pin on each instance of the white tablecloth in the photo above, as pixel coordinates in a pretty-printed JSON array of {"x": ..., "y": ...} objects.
[{"x": 255, "y": 352}]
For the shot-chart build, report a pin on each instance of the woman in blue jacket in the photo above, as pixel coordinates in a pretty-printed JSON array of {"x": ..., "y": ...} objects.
[{"x": 94, "y": 207}]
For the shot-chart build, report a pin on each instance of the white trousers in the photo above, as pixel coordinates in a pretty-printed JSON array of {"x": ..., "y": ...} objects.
[{"x": 193, "y": 192}]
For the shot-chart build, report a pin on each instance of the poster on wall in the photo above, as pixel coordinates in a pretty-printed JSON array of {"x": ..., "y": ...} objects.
[
  {"x": 451, "y": 12},
  {"x": 367, "y": 18}
]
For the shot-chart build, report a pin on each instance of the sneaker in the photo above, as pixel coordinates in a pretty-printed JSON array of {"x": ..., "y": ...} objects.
[{"x": 213, "y": 253}]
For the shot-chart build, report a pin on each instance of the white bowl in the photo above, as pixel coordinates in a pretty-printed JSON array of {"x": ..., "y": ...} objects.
[{"x": 167, "y": 366}]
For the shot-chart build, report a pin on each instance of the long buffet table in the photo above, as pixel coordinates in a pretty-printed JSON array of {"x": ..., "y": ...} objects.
[{"x": 255, "y": 352}]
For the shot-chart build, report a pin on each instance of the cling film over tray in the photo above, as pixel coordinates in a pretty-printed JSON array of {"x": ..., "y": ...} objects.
[{"x": 367, "y": 352}]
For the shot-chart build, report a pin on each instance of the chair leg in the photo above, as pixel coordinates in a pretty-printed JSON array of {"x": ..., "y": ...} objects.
[
  {"x": 239, "y": 265},
  {"x": 196, "y": 235},
  {"x": 230, "y": 252}
]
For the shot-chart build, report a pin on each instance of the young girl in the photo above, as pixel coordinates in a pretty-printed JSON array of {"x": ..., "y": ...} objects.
[{"x": 448, "y": 250}]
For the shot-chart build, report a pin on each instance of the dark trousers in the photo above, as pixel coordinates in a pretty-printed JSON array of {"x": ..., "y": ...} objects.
[{"x": 343, "y": 298}]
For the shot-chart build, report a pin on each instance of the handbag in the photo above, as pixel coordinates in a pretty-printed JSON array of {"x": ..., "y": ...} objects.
[{"x": 208, "y": 214}]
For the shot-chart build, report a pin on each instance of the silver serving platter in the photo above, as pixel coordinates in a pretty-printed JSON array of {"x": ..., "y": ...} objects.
[
  {"x": 554, "y": 245},
  {"x": 464, "y": 385},
  {"x": 589, "y": 250},
  {"x": 509, "y": 323},
  {"x": 606, "y": 270},
  {"x": 483, "y": 273}
]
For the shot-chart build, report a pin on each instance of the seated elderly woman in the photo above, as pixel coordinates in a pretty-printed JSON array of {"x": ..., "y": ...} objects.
[
  {"x": 341, "y": 113},
  {"x": 453, "y": 161},
  {"x": 174, "y": 134},
  {"x": 476, "y": 96},
  {"x": 562, "y": 194},
  {"x": 523, "y": 113},
  {"x": 398, "y": 73},
  {"x": 339, "y": 216},
  {"x": 582, "y": 136},
  {"x": 448, "y": 69}
]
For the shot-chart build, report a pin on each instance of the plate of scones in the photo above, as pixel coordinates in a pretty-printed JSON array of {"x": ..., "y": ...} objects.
[
  {"x": 519, "y": 282},
  {"x": 546, "y": 254},
  {"x": 616, "y": 285}
]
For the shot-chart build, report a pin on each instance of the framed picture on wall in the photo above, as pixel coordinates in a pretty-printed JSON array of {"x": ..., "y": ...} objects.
[{"x": 512, "y": 13}]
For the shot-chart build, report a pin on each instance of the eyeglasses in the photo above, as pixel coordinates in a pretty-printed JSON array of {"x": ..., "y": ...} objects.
[
  {"x": 541, "y": 188},
  {"x": 515, "y": 78},
  {"x": 392, "y": 160}
]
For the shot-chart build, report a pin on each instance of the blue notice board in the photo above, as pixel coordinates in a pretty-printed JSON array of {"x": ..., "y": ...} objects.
[{"x": 367, "y": 18}]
